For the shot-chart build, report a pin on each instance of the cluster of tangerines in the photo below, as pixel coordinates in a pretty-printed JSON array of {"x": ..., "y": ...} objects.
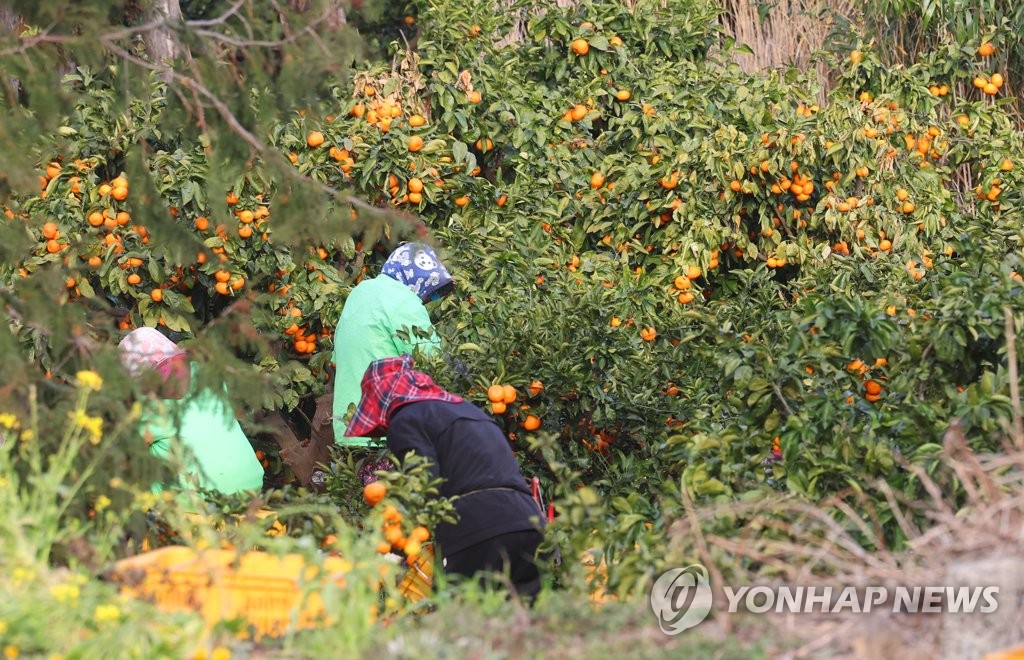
[
  {"x": 872, "y": 388},
  {"x": 249, "y": 220},
  {"x": 924, "y": 146},
  {"x": 994, "y": 190},
  {"x": 304, "y": 340},
  {"x": 580, "y": 111},
  {"x": 395, "y": 538},
  {"x": 684, "y": 283},
  {"x": 108, "y": 219},
  {"x": 109, "y": 222},
  {"x": 115, "y": 217},
  {"x": 379, "y": 112},
  {"x": 799, "y": 185},
  {"x": 502, "y": 396},
  {"x": 988, "y": 84}
]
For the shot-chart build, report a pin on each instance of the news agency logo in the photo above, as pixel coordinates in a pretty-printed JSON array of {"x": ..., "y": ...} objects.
[
  {"x": 681, "y": 598},
  {"x": 899, "y": 600}
]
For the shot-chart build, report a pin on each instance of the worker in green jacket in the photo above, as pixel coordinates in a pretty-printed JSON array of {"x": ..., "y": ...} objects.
[
  {"x": 183, "y": 421},
  {"x": 384, "y": 317}
]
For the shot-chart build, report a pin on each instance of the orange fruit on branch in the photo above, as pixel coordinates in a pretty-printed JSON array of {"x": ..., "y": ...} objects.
[
  {"x": 315, "y": 139},
  {"x": 495, "y": 393},
  {"x": 374, "y": 492}
]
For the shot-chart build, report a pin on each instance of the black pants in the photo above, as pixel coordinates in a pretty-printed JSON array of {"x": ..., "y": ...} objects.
[{"x": 513, "y": 552}]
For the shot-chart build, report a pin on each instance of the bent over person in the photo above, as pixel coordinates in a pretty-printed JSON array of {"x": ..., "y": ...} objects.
[
  {"x": 377, "y": 314},
  {"x": 185, "y": 419},
  {"x": 499, "y": 522}
]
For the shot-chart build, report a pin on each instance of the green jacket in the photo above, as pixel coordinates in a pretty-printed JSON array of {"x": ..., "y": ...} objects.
[
  {"x": 375, "y": 311},
  {"x": 201, "y": 429}
]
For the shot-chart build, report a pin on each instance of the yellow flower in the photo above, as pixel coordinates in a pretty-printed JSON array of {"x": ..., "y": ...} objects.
[
  {"x": 106, "y": 613},
  {"x": 8, "y": 421},
  {"x": 3, "y": 627},
  {"x": 92, "y": 425},
  {"x": 22, "y": 574},
  {"x": 11, "y": 651},
  {"x": 102, "y": 502},
  {"x": 89, "y": 379},
  {"x": 64, "y": 592},
  {"x": 115, "y": 482},
  {"x": 145, "y": 500},
  {"x": 221, "y": 653},
  {"x": 27, "y": 435}
]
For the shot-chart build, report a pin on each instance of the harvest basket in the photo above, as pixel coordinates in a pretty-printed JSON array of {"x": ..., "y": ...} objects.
[{"x": 266, "y": 591}]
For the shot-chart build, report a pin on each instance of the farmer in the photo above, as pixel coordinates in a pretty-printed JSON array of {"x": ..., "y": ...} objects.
[
  {"x": 385, "y": 316},
  {"x": 499, "y": 522},
  {"x": 180, "y": 416}
]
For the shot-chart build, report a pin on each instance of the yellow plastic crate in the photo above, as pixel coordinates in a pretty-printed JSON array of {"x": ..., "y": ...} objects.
[
  {"x": 417, "y": 581},
  {"x": 263, "y": 589}
]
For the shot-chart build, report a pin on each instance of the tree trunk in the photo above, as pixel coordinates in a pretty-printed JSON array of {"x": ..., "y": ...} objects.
[
  {"x": 162, "y": 43},
  {"x": 9, "y": 22},
  {"x": 302, "y": 458}
]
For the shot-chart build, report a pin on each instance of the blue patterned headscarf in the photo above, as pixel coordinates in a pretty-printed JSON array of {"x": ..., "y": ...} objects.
[{"x": 417, "y": 266}]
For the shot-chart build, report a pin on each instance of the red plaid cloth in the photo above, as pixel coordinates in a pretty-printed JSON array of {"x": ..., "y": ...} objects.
[{"x": 388, "y": 385}]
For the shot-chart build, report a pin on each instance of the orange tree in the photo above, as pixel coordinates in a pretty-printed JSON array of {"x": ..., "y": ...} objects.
[{"x": 691, "y": 276}]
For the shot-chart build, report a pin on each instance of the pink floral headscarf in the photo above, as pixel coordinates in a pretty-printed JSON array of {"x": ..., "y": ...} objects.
[{"x": 148, "y": 348}]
